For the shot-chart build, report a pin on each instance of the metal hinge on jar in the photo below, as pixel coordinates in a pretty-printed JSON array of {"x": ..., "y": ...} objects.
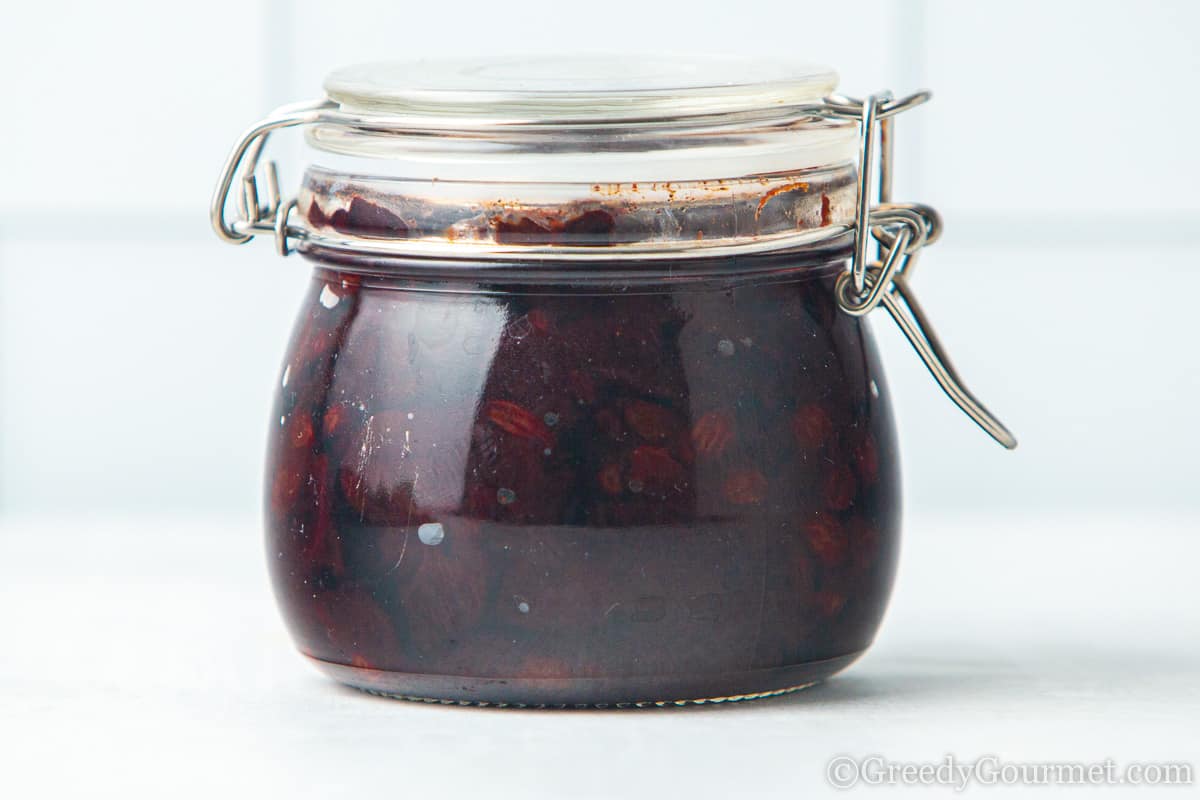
[
  {"x": 239, "y": 178},
  {"x": 900, "y": 230}
]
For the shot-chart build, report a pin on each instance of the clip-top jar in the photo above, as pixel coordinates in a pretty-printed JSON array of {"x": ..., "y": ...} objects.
[{"x": 581, "y": 407}]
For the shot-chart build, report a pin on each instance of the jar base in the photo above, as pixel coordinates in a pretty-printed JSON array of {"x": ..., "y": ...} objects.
[{"x": 626, "y": 692}]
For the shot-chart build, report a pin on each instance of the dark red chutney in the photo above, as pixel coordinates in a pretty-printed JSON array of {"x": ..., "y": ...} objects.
[{"x": 492, "y": 487}]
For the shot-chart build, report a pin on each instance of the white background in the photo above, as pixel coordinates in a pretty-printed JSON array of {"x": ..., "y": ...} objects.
[{"x": 137, "y": 353}]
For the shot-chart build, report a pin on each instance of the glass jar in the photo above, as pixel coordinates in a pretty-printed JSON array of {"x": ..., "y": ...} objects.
[{"x": 581, "y": 407}]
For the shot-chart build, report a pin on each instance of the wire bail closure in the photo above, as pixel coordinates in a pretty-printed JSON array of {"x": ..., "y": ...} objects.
[
  {"x": 900, "y": 230},
  {"x": 254, "y": 216}
]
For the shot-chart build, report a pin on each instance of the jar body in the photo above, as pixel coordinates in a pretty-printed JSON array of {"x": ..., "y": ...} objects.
[{"x": 504, "y": 492}]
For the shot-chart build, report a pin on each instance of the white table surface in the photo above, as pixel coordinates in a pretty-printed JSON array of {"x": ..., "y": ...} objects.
[{"x": 146, "y": 658}]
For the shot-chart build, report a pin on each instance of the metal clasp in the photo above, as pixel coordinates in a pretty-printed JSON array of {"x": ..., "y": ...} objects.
[
  {"x": 256, "y": 215},
  {"x": 900, "y": 230}
]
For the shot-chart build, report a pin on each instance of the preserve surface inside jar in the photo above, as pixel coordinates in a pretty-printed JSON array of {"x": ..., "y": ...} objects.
[{"x": 564, "y": 436}]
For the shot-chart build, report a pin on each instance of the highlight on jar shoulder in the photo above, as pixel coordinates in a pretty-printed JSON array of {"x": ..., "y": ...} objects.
[{"x": 582, "y": 407}]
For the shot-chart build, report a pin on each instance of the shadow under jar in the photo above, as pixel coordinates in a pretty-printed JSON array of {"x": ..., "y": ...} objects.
[{"x": 572, "y": 413}]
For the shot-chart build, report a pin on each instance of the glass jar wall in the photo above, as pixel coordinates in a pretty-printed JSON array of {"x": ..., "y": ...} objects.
[{"x": 546, "y": 492}]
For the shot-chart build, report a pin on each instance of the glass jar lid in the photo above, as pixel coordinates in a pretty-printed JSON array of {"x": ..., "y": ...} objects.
[
  {"x": 574, "y": 90},
  {"x": 584, "y": 119}
]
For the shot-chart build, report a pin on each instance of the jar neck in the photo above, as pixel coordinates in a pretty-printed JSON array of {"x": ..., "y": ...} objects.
[{"x": 383, "y": 216}]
